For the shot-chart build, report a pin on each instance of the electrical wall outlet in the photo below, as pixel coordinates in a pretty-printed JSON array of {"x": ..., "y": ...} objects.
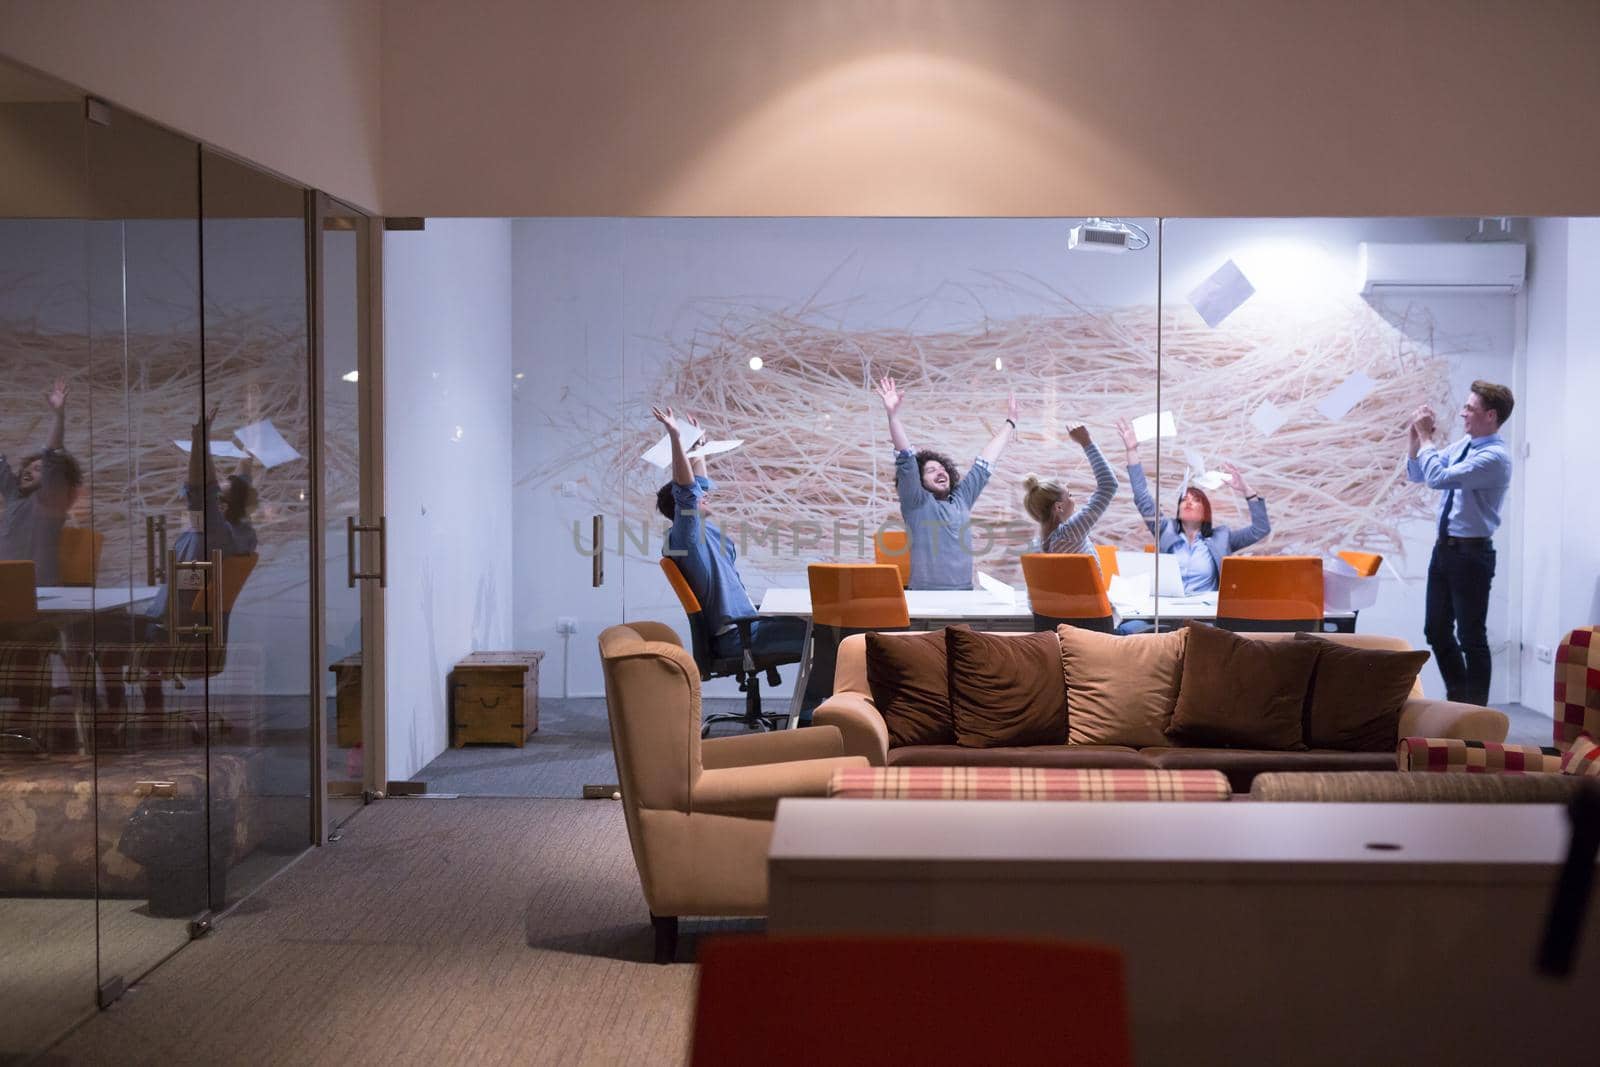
[
  {"x": 1543, "y": 654},
  {"x": 566, "y": 624}
]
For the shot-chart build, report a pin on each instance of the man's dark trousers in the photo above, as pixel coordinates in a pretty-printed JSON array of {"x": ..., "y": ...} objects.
[{"x": 1458, "y": 607}]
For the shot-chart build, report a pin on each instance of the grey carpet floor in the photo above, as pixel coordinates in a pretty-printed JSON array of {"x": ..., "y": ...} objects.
[
  {"x": 443, "y": 931},
  {"x": 1528, "y": 726},
  {"x": 571, "y": 749}
]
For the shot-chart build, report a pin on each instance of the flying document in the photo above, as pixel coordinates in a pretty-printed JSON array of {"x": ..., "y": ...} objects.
[
  {"x": 1352, "y": 391},
  {"x": 225, "y": 449},
  {"x": 1221, "y": 294},
  {"x": 263, "y": 441},
  {"x": 1144, "y": 427},
  {"x": 660, "y": 453}
]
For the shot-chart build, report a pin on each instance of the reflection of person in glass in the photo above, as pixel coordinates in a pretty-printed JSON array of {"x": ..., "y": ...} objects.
[
  {"x": 707, "y": 559},
  {"x": 219, "y": 518},
  {"x": 1197, "y": 542},
  {"x": 1061, "y": 528},
  {"x": 936, "y": 500},
  {"x": 1474, "y": 472},
  {"x": 38, "y": 496}
]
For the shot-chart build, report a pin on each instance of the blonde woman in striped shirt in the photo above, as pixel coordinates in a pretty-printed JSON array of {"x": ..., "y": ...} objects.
[{"x": 1062, "y": 528}]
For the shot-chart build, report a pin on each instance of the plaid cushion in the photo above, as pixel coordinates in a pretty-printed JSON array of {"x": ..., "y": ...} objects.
[
  {"x": 1583, "y": 758},
  {"x": 1476, "y": 757},
  {"x": 1026, "y": 783},
  {"x": 1577, "y": 708}
]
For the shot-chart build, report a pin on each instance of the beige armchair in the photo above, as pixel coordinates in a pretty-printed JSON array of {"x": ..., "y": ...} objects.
[{"x": 699, "y": 812}]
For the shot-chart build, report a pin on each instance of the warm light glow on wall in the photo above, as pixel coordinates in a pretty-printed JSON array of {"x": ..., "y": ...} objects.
[{"x": 906, "y": 134}]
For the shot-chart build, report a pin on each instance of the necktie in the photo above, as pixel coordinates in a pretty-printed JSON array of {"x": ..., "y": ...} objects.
[{"x": 1450, "y": 497}]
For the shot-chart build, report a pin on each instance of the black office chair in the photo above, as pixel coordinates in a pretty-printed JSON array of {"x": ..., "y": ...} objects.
[{"x": 747, "y": 666}]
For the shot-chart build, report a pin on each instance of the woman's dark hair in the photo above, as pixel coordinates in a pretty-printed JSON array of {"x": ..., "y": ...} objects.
[
  {"x": 1205, "y": 504},
  {"x": 664, "y": 502},
  {"x": 238, "y": 498},
  {"x": 944, "y": 461}
]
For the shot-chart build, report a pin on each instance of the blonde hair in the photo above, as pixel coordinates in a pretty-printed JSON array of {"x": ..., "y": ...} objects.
[{"x": 1039, "y": 495}]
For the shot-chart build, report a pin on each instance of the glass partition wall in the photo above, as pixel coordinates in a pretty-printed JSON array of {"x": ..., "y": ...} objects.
[{"x": 156, "y": 712}]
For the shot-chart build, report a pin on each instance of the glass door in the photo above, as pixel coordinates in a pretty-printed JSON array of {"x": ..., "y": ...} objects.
[
  {"x": 352, "y": 527},
  {"x": 144, "y": 392}
]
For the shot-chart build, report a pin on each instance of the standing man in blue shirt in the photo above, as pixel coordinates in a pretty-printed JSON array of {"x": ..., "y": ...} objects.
[
  {"x": 707, "y": 559},
  {"x": 1474, "y": 472},
  {"x": 936, "y": 500}
]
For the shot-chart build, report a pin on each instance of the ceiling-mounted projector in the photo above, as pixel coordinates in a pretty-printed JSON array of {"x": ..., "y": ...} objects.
[{"x": 1098, "y": 235}]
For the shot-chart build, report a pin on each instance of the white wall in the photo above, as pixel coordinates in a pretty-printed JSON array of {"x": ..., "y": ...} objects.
[
  {"x": 292, "y": 85},
  {"x": 447, "y": 465},
  {"x": 1561, "y": 544}
]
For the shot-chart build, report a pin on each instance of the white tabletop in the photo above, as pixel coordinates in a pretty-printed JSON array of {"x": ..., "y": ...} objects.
[
  {"x": 981, "y": 604},
  {"x": 1179, "y": 841},
  {"x": 83, "y": 598}
]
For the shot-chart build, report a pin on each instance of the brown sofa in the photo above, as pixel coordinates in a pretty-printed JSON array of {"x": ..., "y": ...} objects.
[{"x": 851, "y": 710}]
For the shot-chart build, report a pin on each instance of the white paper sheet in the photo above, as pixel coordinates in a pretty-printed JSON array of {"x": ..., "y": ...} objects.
[
  {"x": 219, "y": 449},
  {"x": 1002, "y": 592},
  {"x": 660, "y": 453},
  {"x": 1221, "y": 294},
  {"x": 1144, "y": 427},
  {"x": 263, "y": 441},
  {"x": 1352, "y": 391},
  {"x": 1268, "y": 418},
  {"x": 1210, "y": 481}
]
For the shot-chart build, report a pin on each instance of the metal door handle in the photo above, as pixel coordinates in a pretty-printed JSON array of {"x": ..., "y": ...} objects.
[
  {"x": 155, "y": 549},
  {"x": 351, "y": 528},
  {"x": 211, "y": 571}
]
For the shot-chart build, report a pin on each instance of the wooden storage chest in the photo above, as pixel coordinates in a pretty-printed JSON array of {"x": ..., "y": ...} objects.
[{"x": 494, "y": 698}]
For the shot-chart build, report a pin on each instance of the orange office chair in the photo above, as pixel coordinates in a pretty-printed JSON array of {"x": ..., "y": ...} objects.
[
  {"x": 26, "y": 645},
  {"x": 1108, "y": 563},
  {"x": 848, "y": 598},
  {"x": 1365, "y": 563},
  {"x": 746, "y": 666},
  {"x": 1258, "y": 593},
  {"x": 78, "y": 554},
  {"x": 1066, "y": 588},
  {"x": 892, "y": 546},
  {"x": 1011, "y": 997}
]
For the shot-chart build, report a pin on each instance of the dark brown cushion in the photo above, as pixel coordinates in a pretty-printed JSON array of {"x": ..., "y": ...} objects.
[
  {"x": 1006, "y": 690},
  {"x": 907, "y": 676},
  {"x": 1238, "y": 693},
  {"x": 1357, "y": 694},
  {"x": 1100, "y": 757}
]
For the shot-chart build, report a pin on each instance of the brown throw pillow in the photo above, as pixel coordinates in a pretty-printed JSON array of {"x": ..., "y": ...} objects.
[
  {"x": 910, "y": 688},
  {"x": 1357, "y": 694},
  {"x": 1239, "y": 693},
  {"x": 1006, "y": 690},
  {"x": 1120, "y": 690}
]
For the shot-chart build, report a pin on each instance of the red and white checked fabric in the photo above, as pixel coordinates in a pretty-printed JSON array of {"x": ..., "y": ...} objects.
[
  {"x": 1476, "y": 757},
  {"x": 1577, "y": 706},
  {"x": 1026, "y": 783},
  {"x": 1583, "y": 758}
]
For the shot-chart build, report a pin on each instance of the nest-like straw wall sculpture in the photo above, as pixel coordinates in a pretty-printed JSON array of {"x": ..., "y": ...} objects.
[{"x": 816, "y": 445}]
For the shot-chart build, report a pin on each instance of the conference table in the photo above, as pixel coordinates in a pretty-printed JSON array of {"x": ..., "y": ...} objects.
[
  {"x": 84, "y": 599},
  {"x": 1002, "y": 610}
]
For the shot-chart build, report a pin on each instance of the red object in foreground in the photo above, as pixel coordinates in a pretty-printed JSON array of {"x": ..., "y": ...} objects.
[{"x": 912, "y": 1000}]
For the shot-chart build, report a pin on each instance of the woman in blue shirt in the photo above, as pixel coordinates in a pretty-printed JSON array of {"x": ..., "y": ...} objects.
[{"x": 1198, "y": 544}]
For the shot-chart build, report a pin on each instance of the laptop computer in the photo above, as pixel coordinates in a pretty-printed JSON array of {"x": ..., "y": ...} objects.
[{"x": 1158, "y": 571}]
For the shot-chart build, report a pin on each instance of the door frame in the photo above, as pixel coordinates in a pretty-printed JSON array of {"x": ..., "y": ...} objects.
[{"x": 369, "y": 366}]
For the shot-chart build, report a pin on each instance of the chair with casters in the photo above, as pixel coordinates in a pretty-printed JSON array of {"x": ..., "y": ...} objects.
[
  {"x": 1270, "y": 593},
  {"x": 78, "y": 554},
  {"x": 1010, "y": 992},
  {"x": 848, "y": 598},
  {"x": 893, "y": 547},
  {"x": 747, "y": 666},
  {"x": 1066, "y": 589},
  {"x": 699, "y": 812}
]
